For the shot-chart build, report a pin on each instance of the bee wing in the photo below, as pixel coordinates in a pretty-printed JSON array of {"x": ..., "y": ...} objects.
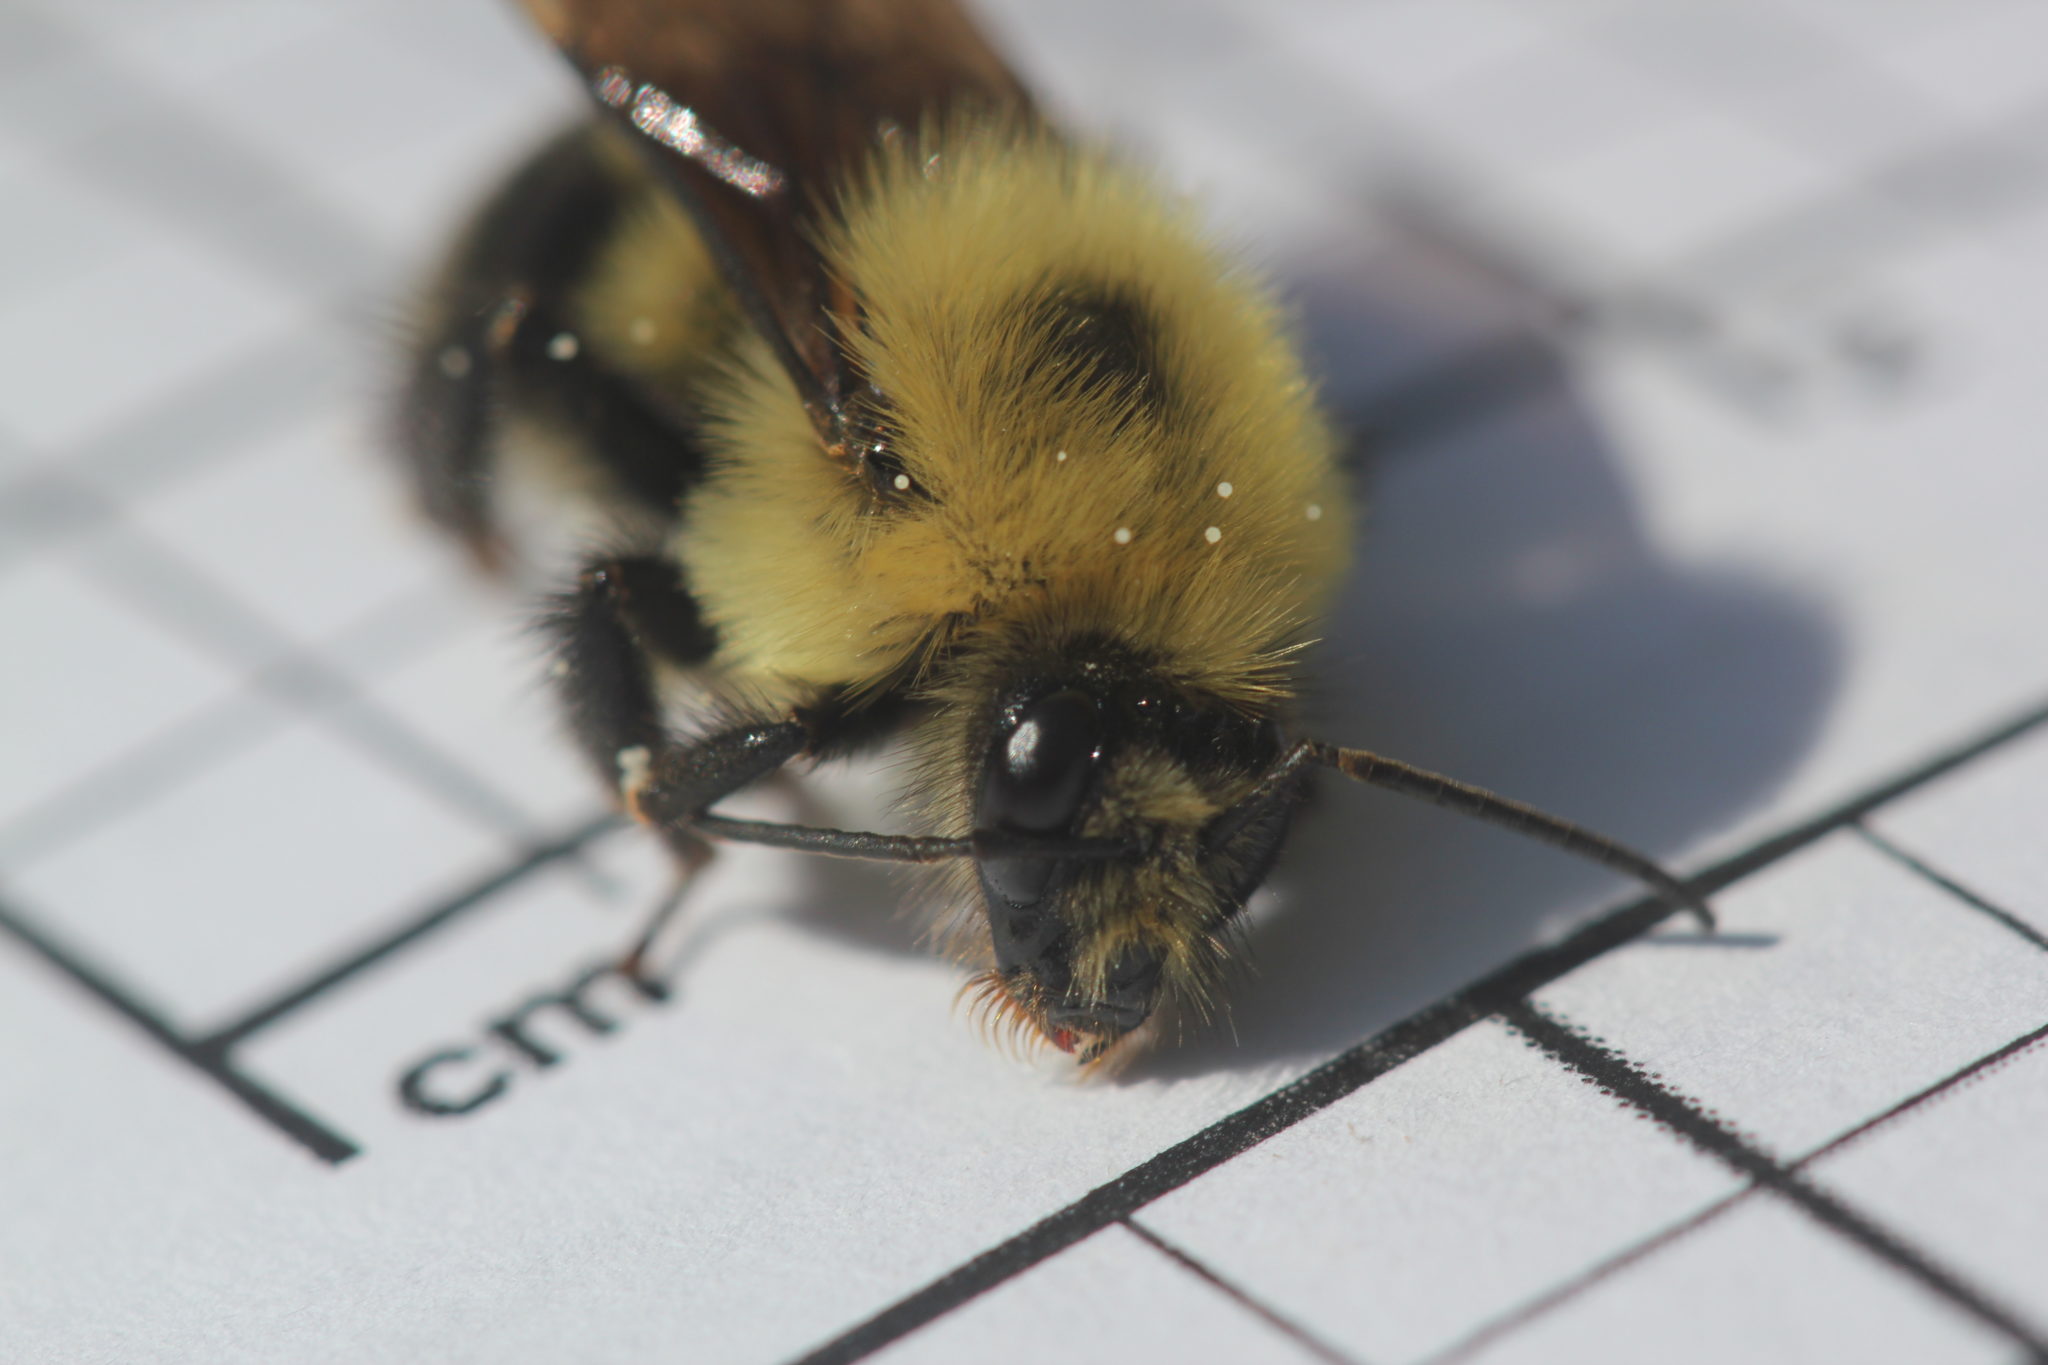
[{"x": 762, "y": 107}]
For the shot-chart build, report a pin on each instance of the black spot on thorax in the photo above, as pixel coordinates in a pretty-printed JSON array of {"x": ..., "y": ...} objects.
[{"x": 1097, "y": 343}]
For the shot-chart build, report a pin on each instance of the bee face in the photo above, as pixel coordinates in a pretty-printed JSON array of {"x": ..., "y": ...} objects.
[{"x": 1087, "y": 948}]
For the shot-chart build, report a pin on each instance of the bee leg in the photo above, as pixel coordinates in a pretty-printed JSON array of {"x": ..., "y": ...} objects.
[
  {"x": 1255, "y": 846},
  {"x": 498, "y": 346},
  {"x": 510, "y": 272},
  {"x": 623, "y": 612},
  {"x": 634, "y": 963},
  {"x": 668, "y": 785},
  {"x": 444, "y": 428}
]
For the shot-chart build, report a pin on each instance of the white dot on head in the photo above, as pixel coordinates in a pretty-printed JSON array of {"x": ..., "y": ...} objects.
[
  {"x": 902, "y": 482},
  {"x": 454, "y": 362},
  {"x": 1122, "y": 536},
  {"x": 1315, "y": 511},
  {"x": 1060, "y": 458},
  {"x": 1224, "y": 490},
  {"x": 642, "y": 331},
  {"x": 1213, "y": 534},
  {"x": 562, "y": 346}
]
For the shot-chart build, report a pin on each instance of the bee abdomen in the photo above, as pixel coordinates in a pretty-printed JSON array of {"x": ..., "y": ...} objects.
[{"x": 500, "y": 347}]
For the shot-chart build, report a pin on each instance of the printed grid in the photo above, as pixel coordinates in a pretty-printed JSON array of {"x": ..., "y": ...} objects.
[{"x": 221, "y": 608}]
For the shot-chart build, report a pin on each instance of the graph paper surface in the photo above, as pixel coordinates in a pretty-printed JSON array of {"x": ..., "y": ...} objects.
[{"x": 1698, "y": 352}]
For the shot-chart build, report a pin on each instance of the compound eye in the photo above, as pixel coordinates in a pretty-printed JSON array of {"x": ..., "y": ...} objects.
[
  {"x": 1037, "y": 775},
  {"x": 1039, "y": 772}
]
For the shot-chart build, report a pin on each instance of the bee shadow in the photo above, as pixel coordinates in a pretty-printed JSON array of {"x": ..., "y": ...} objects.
[{"x": 1507, "y": 622}]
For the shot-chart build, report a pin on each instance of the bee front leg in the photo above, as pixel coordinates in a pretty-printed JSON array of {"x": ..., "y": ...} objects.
[{"x": 624, "y": 613}]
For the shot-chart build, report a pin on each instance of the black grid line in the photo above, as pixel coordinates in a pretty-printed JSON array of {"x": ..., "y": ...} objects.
[
  {"x": 415, "y": 929},
  {"x": 1768, "y": 113},
  {"x": 1507, "y": 986},
  {"x": 2004, "y": 153},
  {"x": 1975, "y": 1071},
  {"x": 1527, "y": 1312},
  {"x": 37, "y": 508},
  {"x": 295, "y": 675},
  {"x": 2001, "y": 162},
  {"x": 1631, "y": 1085},
  {"x": 1661, "y": 318},
  {"x": 219, "y": 415},
  {"x": 213, "y": 1054},
  {"x": 309, "y": 1132},
  {"x": 1300, "y": 1335},
  {"x": 1523, "y": 1314},
  {"x": 1923, "y": 181},
  {"x": 198, "y": 176},
  {"x": 1947, "y": 883},
  {"x": 135, "y": 778},
  {"x": 217, "y": 621},
  {"x": 1656, "y": 315}
]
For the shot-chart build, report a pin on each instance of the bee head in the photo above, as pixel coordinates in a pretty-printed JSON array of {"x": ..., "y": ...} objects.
[{"x": 1086, "y": 946}]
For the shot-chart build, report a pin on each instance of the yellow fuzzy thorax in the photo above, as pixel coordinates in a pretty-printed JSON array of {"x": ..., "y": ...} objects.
[{"x": 1203, "y": 528}]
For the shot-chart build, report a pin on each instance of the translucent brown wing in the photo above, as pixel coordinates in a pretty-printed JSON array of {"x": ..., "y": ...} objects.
[{"x": 759, "y": 107}]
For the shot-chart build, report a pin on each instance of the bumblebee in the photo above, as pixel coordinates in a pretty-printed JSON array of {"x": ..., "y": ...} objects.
[{"x": 901, "y": 414}]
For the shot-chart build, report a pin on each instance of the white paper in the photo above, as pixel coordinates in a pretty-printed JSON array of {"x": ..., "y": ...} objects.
[{"x": 1702, "y": 343}]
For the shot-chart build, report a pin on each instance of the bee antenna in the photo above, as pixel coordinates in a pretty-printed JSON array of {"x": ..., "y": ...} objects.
[{"x": 1280, "y": 782}]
